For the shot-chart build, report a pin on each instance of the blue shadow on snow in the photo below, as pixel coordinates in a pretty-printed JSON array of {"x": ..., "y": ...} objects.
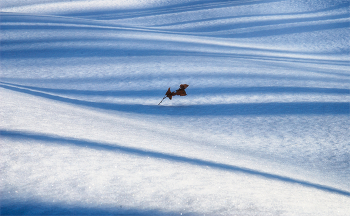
[
  {"x": 164, "y": 156},
  {"x": 340, "y": 6},
  {"x": 194, "y": 91},
  {"x": 9, "y": 207},
  {"x": 171, "y": 9},
  {"x": 293, "y": 108}
]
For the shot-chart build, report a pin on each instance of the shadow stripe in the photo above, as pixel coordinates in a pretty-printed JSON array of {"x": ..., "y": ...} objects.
[
  {"x": 198, "y": 91},
  {"x": 165, "y": 156},
  {"x": 254, "y": 109}
]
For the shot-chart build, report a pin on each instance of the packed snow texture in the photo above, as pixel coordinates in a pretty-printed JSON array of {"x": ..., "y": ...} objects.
[{"x": 264, "y": 129}]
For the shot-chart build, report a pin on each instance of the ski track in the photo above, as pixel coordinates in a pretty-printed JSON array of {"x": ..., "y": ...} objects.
[{"x": 264, "y": 129}]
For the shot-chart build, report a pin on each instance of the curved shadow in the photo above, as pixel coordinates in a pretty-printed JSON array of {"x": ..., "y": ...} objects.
[
  {"x": 340, "y": 6},
  {"x": 207, "y": 31},
  {"x": 167, "y": 43},
  {"x": 164, "y": 46},
  {"x": 164, "y": 156},
  {"x": 340, "y": 77},
  {"x": 242, "y": 109},
  {"x": 288, "y": 30},
  {"x": 11, "y": 207},
  {"x": 233, "y": 26},
  {"x": 177, "y": 8},
  {"x": 193, "y": 91},
  {"x": 125, "y": 52}
]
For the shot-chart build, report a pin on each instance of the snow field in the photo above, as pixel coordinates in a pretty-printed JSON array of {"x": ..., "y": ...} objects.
[{"x": 263, "y": 130}]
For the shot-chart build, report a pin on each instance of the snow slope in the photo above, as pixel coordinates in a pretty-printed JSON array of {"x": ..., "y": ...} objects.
[{"x": 264, "y": 129}]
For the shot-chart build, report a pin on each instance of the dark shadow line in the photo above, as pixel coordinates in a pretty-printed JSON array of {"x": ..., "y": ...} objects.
[
  {"x": 343, "y": 77},
  {"x": 170, "y": 48},
  {"x": 109, "y": 15},
  {"x": 286, "y": 30},
  {"x": 31, "y": 207},
  {"x": 250, "y": 34},
  {"x": 147, "y": 50},
  {"x": 215, "y": 50},
  {"x": 260, "y": 15},
  {"x": 178, "y": 8},
  {"x": 254, "y": 109},
  {"x": 193, "y": 91},
  {"x": 102, "y": 52},
  {"x": 164, "y": 42},
  {"x": 124, "y": 52},
  {"x": 233, "y": 26},
  {"x": 305, "y": 28},
  {"x": 164, "y": 156}
]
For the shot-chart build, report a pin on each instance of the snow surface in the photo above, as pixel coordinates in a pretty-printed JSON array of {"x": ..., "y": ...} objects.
[{"x": 264, "y": 129}]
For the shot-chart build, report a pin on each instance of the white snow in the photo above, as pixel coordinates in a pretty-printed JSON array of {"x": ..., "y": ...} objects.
[{"x": 264, "y": 129}]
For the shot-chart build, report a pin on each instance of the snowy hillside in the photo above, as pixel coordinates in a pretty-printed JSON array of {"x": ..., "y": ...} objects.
[{"x": 264, "y": 129}]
